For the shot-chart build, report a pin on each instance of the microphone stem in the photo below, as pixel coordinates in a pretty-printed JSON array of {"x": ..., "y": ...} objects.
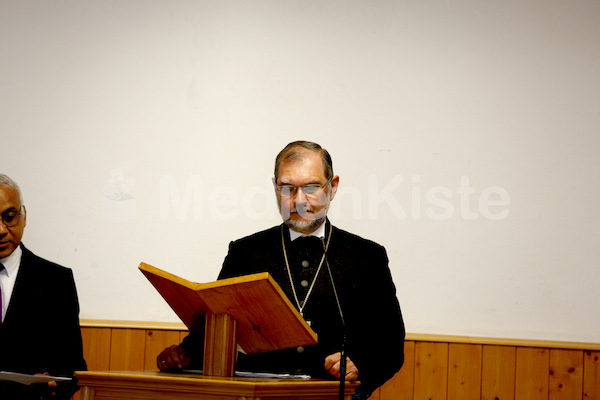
[
  {"x": 343, "y": 350},
  {"x": 343, "y": 369}
]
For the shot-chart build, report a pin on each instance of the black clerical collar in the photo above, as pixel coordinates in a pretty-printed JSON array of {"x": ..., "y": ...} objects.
[{"x": 319, "y": 233}]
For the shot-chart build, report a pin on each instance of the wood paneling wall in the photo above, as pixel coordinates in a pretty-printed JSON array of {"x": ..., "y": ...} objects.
[{"x": 435, "y": 368}]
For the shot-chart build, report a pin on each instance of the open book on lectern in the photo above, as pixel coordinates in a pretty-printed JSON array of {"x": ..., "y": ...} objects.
[{"x": 265, "y": 318}]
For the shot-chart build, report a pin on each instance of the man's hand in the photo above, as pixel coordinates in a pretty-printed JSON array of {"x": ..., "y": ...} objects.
[
  {"x": 173, "y": 357},
  {"x": 52, "y": 385},
  {"x": 332, "y": 364}
]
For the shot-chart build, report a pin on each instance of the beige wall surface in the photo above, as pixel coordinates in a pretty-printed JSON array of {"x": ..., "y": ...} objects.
[{"x": 465, "y": 133}]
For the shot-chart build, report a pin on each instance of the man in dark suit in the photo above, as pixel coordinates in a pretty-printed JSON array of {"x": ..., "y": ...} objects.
[
  {"x": 39, "y": 325},
  {"x": 340, "y": 282}
]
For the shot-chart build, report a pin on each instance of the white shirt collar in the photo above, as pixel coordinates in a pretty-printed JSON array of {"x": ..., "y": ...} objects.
[
  {"x": 8, "y": 277},
  {"x": 320, "y": 233},
  {"x": 12, "y": 262}
]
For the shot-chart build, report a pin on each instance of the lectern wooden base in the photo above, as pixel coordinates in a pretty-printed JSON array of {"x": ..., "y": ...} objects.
[
  {"x": 220, "y": 345},
  {"x": 154, "y": 385}
]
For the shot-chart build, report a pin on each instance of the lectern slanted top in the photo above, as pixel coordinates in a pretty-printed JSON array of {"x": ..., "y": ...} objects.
[{"x": 265, "y": 318}]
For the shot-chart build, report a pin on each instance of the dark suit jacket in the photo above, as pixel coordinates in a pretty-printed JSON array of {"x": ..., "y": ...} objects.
[
  {"x": 373, "y": 322},
  {"x": 41, "y": 330}
]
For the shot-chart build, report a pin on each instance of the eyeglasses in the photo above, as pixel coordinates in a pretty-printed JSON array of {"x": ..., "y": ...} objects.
[
  {"x": 11, "y": 217},
  {"x": 310, "y": 190}
]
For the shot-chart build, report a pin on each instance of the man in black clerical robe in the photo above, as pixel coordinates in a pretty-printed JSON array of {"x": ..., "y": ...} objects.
[{"x": 340, "y": 283}]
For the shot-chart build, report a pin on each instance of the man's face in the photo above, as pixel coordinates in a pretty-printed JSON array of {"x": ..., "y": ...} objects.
[
  {"x": 301, "y": 212},
  {"x": 10, "y": 237}
]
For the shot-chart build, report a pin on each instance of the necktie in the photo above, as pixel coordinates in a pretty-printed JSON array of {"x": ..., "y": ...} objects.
[{"x": 1, "y": 268}]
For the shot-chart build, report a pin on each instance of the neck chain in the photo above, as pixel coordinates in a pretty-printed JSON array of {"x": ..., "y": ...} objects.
[{"x": 303, "y": 304}]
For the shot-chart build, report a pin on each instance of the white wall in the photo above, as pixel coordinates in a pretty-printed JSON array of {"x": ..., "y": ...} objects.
[{"x": 466, "y": 135}]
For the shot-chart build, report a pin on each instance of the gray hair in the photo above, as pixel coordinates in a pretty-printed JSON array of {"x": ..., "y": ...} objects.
[
  {"x": 5, "y": 181},
  {"x": 292, "y": 152}
]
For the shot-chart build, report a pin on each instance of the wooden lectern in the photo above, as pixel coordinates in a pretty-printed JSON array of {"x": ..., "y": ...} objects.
[{"x": 251, "y": 312}]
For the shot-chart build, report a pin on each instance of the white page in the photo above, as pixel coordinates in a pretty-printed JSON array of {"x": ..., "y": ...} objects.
[{"x": 27, "y": 379}]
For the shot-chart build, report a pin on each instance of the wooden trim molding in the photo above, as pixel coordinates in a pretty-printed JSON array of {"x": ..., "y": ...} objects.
[
  {"x": 554, "y": 344},
  {"x": 107, "y": 323}
]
